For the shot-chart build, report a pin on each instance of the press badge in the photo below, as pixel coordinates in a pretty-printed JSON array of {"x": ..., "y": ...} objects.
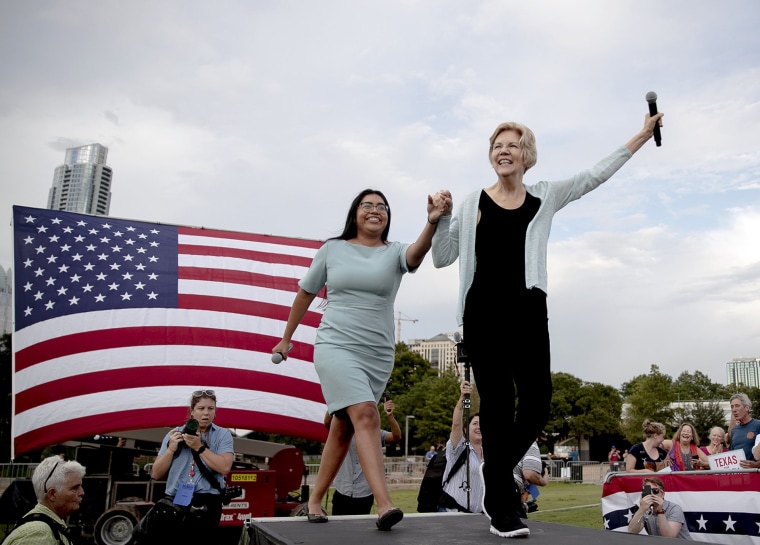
[{"x": 184, "y": 494}]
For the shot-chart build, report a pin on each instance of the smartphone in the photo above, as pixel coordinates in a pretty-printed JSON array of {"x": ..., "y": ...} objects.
[{"x": 646, "y": 490}]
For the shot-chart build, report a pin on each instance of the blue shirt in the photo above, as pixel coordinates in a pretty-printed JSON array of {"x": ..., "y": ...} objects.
[
  {"x": 743, "y": 437},
  {"x": 218, "y": 440}
]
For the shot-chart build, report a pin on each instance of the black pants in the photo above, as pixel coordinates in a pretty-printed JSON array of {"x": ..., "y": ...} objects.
[
  {"x": 507, "y": 342},
  {"x": 346, "y": 505}
]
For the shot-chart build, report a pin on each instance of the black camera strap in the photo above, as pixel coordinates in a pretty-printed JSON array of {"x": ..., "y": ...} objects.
[{"x": 206, "y": 472}]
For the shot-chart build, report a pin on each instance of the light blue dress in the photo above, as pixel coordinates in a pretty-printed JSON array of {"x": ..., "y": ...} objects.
[{"x": 354, "y": 349}]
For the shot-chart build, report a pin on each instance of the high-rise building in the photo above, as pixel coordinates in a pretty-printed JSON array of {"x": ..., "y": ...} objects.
[
  {"x": 440, "y": 351},
  {"x": 83, "y": 182},
  {"x": 6, "y": 300},
  {"x": 744, "y": 371}
]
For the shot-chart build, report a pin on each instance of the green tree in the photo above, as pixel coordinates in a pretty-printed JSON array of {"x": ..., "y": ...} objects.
[
  {"x": 649, "y": 398},
  {"x": 697, "y": 386},
  {"x": 597, "y": 411},
  {"x": 431, "y": 402},
  {"x": 582, "y": 409},
  {"x": 6, "y": 371},
  {"x": 409, "y": 369},
  {"x": 566, "y": 390}
]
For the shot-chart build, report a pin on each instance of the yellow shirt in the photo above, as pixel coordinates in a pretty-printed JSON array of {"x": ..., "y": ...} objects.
[{"x": 38, "y": 532}]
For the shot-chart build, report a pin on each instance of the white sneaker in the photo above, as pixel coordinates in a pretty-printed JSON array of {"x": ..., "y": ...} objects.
[
  {"x": 511, "y": 526},
  {"x": 483, "y": 499}
]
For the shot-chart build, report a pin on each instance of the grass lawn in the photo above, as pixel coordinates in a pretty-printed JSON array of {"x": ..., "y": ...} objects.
[{"x": 563, "y": 503}]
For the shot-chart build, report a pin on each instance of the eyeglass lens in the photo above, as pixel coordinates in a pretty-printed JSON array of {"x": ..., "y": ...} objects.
[{"x": 367, "y": 206}]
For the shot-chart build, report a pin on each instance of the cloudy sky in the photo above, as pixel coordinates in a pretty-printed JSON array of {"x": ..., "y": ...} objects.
[{"x": 269, "y": 116}]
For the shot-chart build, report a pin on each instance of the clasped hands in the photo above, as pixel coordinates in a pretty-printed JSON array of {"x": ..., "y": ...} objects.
[{"x": 439, "y": 204}]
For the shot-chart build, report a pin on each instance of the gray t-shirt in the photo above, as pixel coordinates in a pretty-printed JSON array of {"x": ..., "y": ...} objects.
[{"x": 674, "y": 513}]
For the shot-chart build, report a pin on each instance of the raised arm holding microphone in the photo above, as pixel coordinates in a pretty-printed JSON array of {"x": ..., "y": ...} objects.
[{"x": 504, "y": 229}]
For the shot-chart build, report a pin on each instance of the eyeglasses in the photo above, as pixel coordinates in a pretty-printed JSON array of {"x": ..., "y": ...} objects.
[
  {"x": 368, "y": 207},
  {"x": 204, "y": 393},
  {"x": 45, "y": 486},
  {"x": 656, "y": 491}
]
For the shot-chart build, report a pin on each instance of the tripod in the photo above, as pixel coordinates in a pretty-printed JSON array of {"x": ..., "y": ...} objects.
[{"x": 462, "y": 358}]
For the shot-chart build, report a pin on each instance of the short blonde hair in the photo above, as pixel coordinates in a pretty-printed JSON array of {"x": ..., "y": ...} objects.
[{"x": 527, "y": 141}]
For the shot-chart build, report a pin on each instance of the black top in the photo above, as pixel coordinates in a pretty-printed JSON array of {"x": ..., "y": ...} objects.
[{"x": 500, "y": 244}]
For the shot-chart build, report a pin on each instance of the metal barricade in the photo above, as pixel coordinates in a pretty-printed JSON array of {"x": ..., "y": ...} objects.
[
  {"x": 16, "y": 471},
  {"x": 586, "y": 472}
]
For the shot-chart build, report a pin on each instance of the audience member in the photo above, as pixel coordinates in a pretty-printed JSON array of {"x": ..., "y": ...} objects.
[
  {"x": 717, "y": 442},
  {"x": 530, "y": 473},
  {"x": 684, "y": 454},
  {"x": 745, "y": 429},
  {"x": 58, "y": 487},
  {"x": 648, "y": 455},
  {"x": 614, "y": 458},
  {"x": 455, "y": 496},
  {"x": 656, "y": 515}
]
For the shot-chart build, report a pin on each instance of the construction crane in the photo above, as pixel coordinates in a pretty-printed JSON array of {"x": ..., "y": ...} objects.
[{"x": 399, "y": 319}]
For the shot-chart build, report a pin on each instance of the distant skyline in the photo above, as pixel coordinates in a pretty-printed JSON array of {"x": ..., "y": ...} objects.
[{"x": 270, "y": 117}]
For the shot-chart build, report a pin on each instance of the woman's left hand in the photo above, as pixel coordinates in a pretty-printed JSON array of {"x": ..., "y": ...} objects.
[{"x": 192, "y": 441}]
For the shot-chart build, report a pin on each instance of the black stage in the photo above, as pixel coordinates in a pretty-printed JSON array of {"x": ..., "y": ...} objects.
[{"x": 424, "y": 529}]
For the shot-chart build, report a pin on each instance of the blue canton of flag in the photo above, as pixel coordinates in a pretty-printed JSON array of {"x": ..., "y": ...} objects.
[{"x": 67, "y": 265}]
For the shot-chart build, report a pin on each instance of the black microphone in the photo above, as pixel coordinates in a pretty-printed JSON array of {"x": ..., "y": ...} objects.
[{"x": 652, "y": 100}]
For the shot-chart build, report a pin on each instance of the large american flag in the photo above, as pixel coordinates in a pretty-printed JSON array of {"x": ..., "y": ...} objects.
[
  {"x": 719, "y": 507},
  {"x": 118, "y": 321}
]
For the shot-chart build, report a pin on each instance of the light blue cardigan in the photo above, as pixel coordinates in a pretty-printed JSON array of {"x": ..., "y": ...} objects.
[{"x": 458, "y": 231}]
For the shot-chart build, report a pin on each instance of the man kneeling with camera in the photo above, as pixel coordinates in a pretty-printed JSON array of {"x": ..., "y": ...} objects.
[
  {"x": 194, "y": 460},
  {"x": 656, "y": 515}
]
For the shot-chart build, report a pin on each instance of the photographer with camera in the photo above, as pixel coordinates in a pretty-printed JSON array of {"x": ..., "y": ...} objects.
[
  {"x": 456, "y": 479},
  {"x": 194, "y": 460},
  {"x": 657, "y": 516}
]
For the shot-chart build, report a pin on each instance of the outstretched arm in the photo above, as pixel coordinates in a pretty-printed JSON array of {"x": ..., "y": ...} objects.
[{"x": 641, "y": 137}]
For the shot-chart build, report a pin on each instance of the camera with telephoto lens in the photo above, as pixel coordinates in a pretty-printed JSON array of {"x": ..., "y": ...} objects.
[
  {"x": 191, "y": 427},
  {"x": 230, "y": 493}
]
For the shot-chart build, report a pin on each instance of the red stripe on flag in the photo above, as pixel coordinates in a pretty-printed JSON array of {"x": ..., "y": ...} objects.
[
  {"x": 249, "y": 255},
  {"x": 139, "y": 419},
  {"x": 244, "y": 306},
  {"x": 239, "y": 277},
  {"x": 252, "y": 237},
  {"x": 151, "y": 336},
  {"x": 165, "y": 375},
  {"x": 686, "y": 481}
]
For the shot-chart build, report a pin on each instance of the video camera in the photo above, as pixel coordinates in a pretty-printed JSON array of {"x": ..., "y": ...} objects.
[{"x": 462, "y": 356}]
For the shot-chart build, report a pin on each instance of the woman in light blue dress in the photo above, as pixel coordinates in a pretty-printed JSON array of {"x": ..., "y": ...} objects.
[{"x": 354, "y": 349}]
